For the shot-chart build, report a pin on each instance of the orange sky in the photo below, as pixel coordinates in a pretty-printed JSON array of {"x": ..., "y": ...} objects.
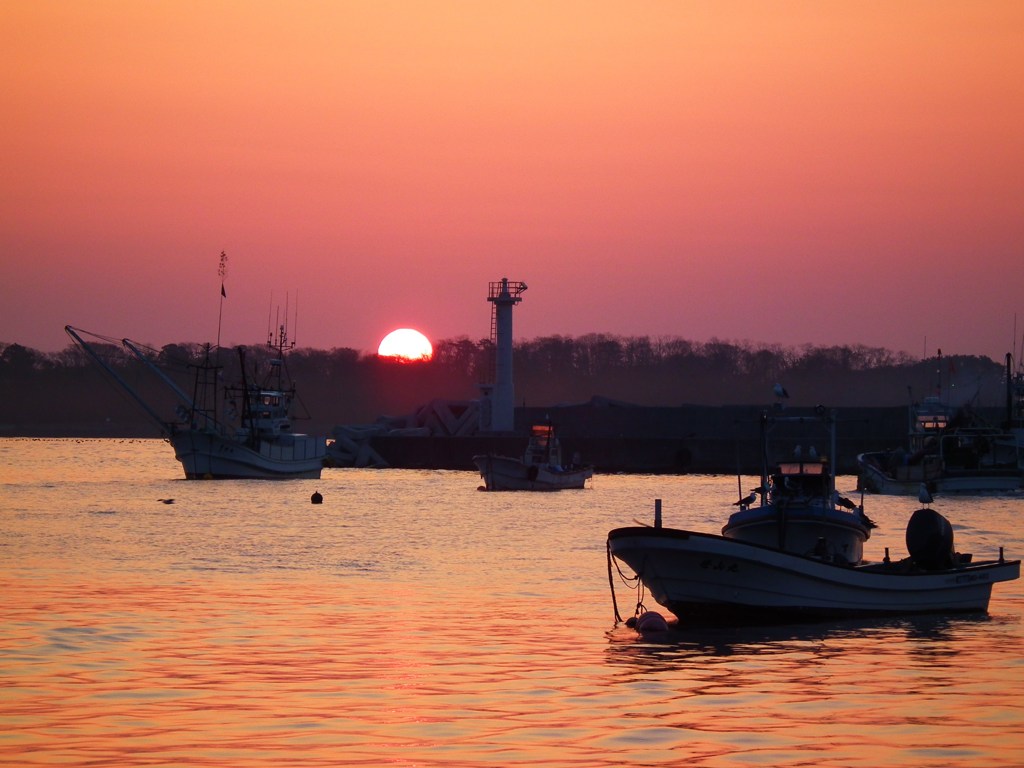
[{"x": 791, "y": 172}]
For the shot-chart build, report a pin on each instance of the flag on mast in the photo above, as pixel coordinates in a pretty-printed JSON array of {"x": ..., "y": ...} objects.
[{"x": 222, "y": 270}]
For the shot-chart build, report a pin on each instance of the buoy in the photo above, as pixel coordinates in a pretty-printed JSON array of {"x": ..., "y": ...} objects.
[
  {"x": 651, "y": 623},
  {"x": 316, "y": 498}
]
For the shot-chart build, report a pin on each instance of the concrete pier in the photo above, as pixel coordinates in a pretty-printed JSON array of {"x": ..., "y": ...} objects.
[{"x": 617, "y": 437}]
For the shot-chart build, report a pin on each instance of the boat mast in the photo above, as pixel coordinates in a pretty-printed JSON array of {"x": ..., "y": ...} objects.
[
  {"x": 248, "y": 416},
  {"x": 280, "y": 341},
  {"x": 1009, "y": 391},
  {"x": 833, "y": 460},
  {"x": 764, "y": 456}
]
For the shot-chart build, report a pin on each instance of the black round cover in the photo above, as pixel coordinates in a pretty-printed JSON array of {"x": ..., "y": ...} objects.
[{"x": 930, "y": 540}]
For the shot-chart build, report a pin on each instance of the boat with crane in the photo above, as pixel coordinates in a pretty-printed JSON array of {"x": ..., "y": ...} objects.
[{"x": 240, "y": 430}]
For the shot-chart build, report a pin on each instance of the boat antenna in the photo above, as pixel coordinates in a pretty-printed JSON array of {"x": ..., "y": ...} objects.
[
  {"x": 279, "y": 335},
  {"x": 270, "y": 326},
  {"x": 739, "y": 472},
  {"x": 1018, "y": 355},
  {"x": 222, "y": 272},
  {"x": 287, "y": 299}
]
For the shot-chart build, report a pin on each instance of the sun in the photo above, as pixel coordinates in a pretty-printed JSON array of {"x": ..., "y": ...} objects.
[{"x": 406, "y": 344}]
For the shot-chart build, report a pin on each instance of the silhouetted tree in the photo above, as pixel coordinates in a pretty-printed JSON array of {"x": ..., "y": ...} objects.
[{"x": 342, "y": 386}]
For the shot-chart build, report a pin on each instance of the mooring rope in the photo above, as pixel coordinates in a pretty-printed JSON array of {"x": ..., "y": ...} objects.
[
  {"x": 611, "y": 582},
  {"x": 628, "y": 581}
]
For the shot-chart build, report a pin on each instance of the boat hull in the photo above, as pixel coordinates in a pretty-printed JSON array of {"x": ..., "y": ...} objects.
[
  {"x": 874, "y": 479},
  {"x": 211, "y": 456},
  {"x": 705, "y": 578},
  {"x": 501, "y": 473}
]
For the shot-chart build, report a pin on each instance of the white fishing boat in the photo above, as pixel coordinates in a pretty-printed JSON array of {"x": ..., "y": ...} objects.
[
  {"x": 705, "y": 578},
  {"x": 253, "y": 439},
  {"x": 949, "y": 450},
  {"x": 238, "y": 431},
  {"x": 540, "y": 468}
]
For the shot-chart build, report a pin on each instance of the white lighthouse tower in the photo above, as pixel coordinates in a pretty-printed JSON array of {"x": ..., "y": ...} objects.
[{"x": 497, "y": 404}]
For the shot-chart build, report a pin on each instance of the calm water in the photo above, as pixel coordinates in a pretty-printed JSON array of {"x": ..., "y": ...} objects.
[{"x": 411, "y": 620}]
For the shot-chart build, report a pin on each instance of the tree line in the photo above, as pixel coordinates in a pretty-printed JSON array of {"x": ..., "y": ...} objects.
[{"x": 67, "y": 393}]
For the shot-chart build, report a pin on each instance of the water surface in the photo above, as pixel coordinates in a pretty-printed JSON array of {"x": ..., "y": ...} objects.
[{"x": 412, "y": 620}]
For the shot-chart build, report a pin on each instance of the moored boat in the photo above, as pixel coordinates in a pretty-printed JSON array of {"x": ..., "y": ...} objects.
[
  {"x": 705, "y": 578},
  {"x": 540, "y": 469},
  {"x": 1011, "y": 444},
  {"x": 260, "y": 445},
  {"x": 949, "y": 450},
  {"x": 238, "y": 431}
]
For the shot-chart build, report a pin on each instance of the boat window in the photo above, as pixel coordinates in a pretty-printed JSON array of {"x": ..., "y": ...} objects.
[{"x": 802, "y": 468}]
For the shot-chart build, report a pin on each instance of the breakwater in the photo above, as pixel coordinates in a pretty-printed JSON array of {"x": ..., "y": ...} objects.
[{"x": 618, "y": 437}]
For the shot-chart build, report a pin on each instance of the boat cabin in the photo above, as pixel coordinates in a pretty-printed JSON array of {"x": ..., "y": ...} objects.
[
  {"x": 931, "y": 416},
  {"x": 543, "y": 447},
  {"x": 270, "y": 411},
  {"x": 797, "y": 479}
]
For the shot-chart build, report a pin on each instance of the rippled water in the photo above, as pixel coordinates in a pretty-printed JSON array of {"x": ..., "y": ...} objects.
[{"x": 411, "y": 620}]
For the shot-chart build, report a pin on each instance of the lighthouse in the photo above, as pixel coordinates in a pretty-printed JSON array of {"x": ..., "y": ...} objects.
[{"x": 498, "y": 399}]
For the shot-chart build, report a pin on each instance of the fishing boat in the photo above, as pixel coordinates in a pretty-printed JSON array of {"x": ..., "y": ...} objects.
[
  {"x": 794, "y": 551},
  {"x": 709, "y": 579},
  {"x": 949, "y": 450},
  {"x": 1012, "y": 442},
  {"x": 241, "y": 430},
  {"x": 540, "y": 468}
]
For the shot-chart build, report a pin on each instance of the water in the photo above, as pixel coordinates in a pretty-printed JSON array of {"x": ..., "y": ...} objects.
[{"x": 411, "y": 620}]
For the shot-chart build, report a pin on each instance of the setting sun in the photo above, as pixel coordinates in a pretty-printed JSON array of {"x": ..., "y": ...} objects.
[{"x": 406, "y": 344}]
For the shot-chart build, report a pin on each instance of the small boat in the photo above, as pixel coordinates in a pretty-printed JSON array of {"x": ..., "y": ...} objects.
[
  {"x": 794, "y": 551},
  {"x": 949, "y": 450},
  {"x": 707, "y": 579},
  {"x": 540, "y": 469},
  {"x": 237, "y": 431}
]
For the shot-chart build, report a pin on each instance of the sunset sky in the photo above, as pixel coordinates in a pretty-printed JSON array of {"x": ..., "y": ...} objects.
[{"x": 767, "y": 172}]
